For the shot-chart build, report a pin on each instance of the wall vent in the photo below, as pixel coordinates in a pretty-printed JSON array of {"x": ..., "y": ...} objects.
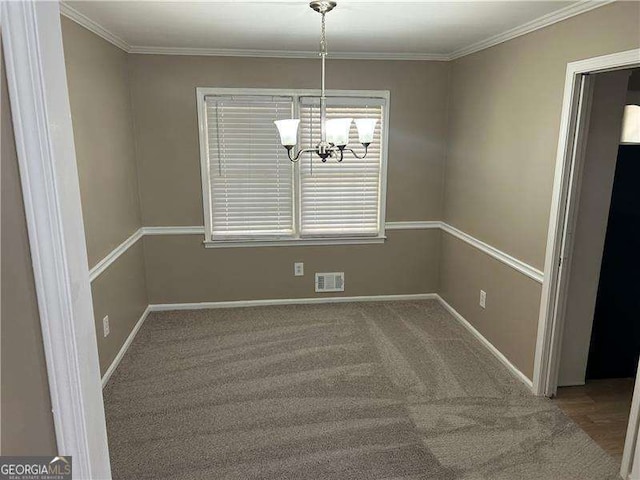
[{"x": 330, "y": 282}]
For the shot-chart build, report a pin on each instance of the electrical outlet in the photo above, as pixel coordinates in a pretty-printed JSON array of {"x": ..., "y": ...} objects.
[
  {"x": 298, "y": 269},
  {"x": 483, "y": 299},
  {"x": 105, "y": 325}
]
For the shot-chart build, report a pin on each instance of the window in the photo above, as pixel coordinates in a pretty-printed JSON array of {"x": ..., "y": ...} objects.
[{"x": 253, "y": 194}]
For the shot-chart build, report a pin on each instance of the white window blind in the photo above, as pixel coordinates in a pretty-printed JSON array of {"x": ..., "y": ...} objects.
[
  {"x": 250, "y": 177},
  {"x": 340, "y": 198}
]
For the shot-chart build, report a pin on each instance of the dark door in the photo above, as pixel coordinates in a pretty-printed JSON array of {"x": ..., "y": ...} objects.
[{"x": 615, "y": 340}]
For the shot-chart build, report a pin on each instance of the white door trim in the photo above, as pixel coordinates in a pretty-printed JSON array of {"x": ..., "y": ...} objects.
[
  {"x": 547, "y": 325},
  {"x": 32, "y": 40},
  {"x": 550, "y": 323},
  {"x": 631, "y": 445}
]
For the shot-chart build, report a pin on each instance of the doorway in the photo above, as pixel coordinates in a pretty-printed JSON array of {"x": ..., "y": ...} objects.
[{"x": 593, "y": 348}]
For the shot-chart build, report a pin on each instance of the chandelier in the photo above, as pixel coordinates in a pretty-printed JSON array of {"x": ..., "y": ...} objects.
[{"x": 334, "y": 133}]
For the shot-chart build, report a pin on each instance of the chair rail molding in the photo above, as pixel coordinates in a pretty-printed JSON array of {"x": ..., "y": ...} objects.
[
  {"x": 499, "y": 255},
  {"x": 103, "y": 264},
  {"x": 503, "y": 257}
]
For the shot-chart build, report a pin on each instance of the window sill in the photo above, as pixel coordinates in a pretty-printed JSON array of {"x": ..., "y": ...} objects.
[{"x": 298, "y": 242}]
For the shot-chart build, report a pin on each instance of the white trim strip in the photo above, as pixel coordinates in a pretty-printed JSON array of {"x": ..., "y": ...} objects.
[
  {"x": 541, "y": 22},
  {"x": 497, "y": 353},
  {"x": 84, "y": 21},
  {"x": 499, "y": 255},
  {"x": 505, "y": 258},
  {"x": 106, "y": 262},
  {"x": 419, "y": 225},
  {"x": 125, "y": 347},
  {"x": 163, "y": 307}
]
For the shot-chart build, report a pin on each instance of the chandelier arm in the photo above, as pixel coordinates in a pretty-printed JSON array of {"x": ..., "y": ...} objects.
[
  {"x": 296, "y": 156},
  {"x": 366, "y": 148}
]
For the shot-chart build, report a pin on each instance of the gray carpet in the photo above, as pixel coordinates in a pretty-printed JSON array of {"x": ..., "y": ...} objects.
[{"x": 394, "y": 390}]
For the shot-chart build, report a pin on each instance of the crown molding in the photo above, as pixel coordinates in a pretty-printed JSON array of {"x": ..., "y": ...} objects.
[
  {"x": 81, "y": 19},
  {"x": 541, "y": 22},
  {"x": 232, "y": 52}
]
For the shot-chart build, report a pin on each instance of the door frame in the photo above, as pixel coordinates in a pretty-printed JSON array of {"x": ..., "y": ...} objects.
[
  {"x": 36, "y": 76},
  {"x": 566, "y": 189}
]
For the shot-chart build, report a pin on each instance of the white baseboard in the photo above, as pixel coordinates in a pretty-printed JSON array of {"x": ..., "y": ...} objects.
[
  {"x": 497, "y": 353},
  {"x": 125, "y": 347},
  {"x": 161, "y": 307}
]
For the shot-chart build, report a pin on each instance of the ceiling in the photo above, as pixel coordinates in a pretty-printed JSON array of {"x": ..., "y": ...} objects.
[{"x": 377, "y": 29}]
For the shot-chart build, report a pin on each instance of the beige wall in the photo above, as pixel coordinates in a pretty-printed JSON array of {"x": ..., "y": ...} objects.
[
  {"x": 600, "y": 158},
  {"x": 512, "y": 299},
  {"x": 166, "y": 123},
  {"x": 505, "y": 118},
  {"x": 179, "y": 269},
  {"x": 98, "y": 78},
  {"x": 27, "y": 423},
  {"x": 121, "y": 293},
  {"x": 504, "y": 121}
]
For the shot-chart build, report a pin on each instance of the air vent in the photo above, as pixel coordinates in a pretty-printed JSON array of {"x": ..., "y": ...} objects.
[{"x": 330, "y": 282}]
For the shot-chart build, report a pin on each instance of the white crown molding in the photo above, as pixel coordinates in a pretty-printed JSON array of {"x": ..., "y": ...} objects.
[
  {"x": 488, "y": 345},
  {"x": 125, "y": 347},
  {"x": 103, "y": 264},
  {"x": 541, "y": 22},
  {"x": 505, "y": 258},
  {"x": 232, "y": 52},
  {"x": 92, "y": 26}
]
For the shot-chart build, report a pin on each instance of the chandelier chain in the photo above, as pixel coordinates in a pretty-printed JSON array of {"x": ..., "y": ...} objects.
[{"x": 323, "y": 37}]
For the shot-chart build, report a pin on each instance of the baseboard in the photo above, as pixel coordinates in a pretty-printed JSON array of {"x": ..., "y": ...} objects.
[
  {"x": 161, "y": 307},
  {"x": 497, "y": 353},
  {"x": 125, "y": 347}
]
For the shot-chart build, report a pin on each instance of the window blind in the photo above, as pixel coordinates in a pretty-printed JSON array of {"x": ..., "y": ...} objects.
[
  {"x": 251, "y": 178},
  {"x": 340, "y": 198}
]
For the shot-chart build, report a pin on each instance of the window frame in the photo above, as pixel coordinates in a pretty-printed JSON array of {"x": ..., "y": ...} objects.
[{"x": 296, "y": 240}]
